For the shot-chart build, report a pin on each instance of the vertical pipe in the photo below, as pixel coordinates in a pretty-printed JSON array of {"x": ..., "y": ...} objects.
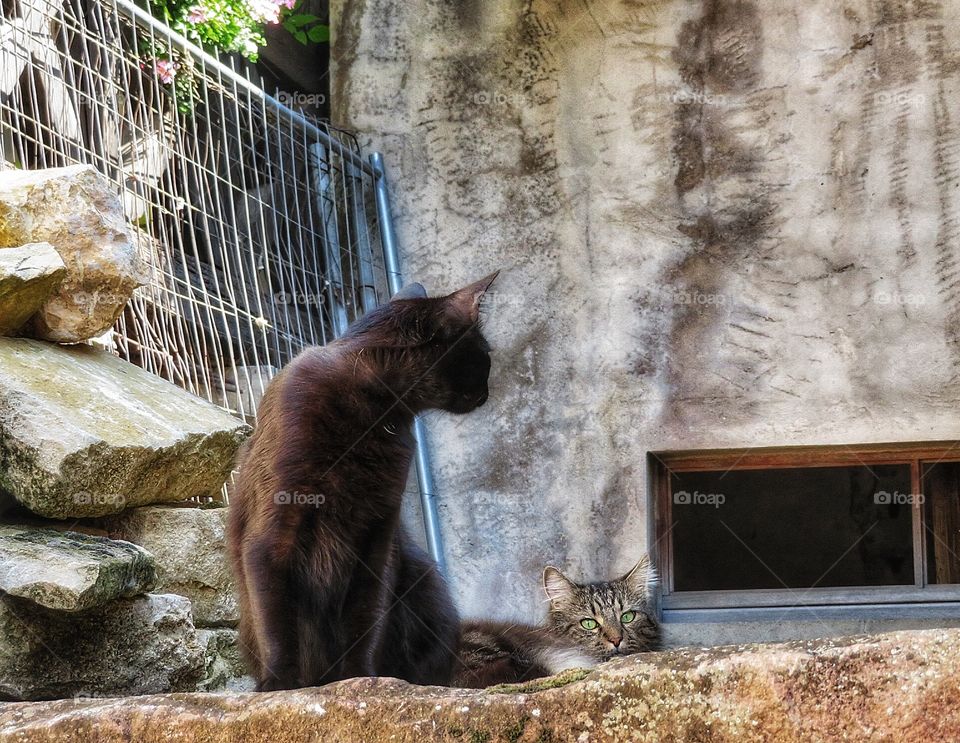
[
  {"x": 363, "y": 250},
  {"x": 428, "y": 502},
  {"x": 323, "y": 193}
]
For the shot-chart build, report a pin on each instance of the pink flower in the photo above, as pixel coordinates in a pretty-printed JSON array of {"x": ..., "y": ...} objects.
[
  {"x": 288, "y": 4},
  {"x": 166, "y": 70},
  {"x": 264, "y": 11},
  {"x": 197, "y": 14}
]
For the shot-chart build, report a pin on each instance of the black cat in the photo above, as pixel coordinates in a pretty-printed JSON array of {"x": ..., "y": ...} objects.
[{"x": 330, "y": 586}]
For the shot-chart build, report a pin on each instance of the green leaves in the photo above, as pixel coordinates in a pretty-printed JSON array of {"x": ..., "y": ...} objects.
[
  {"x": 237, "y": 25},
  {"x": 300, "y": 19},
  {"x": 319, "y": 33},
  {"x": 306, "y": 28}
]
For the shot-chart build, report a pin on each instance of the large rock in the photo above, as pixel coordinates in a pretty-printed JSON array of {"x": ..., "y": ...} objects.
[
  {"x": 67, "y": 571},
  {"x": 223, "y": 664},
  {"x": 141, "y": 645},
  {"x": 28, "y": 276},
  {"x": 189, "y": 545},
  {"x": 84, "y": 433},
  {"x": 902, "y": 687},
  {"x": 78, "y": 211}
]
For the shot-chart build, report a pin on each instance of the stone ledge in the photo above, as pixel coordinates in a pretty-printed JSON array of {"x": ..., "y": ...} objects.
[
  {"x": 190, "y": 549},
  {"x": 141, "y": 645},
  {"x": 68, "y": 571},
  {"x": 902, "y": 687},
  {"x": 94, "y": 434}
]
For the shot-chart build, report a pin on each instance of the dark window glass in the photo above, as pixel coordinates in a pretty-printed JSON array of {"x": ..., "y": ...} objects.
[
  {"x": 940, "y": 488},
  {"x": 795, "y": 527}
]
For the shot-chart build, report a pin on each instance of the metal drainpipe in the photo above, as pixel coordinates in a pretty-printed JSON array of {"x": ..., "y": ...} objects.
[{"x": 428, "y": 501}]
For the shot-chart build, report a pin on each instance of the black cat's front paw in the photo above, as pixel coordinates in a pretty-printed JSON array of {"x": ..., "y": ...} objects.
[{"x": 277, "y": 681}]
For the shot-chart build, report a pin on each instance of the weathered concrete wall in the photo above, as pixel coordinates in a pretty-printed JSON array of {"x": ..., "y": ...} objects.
[{"x": 721, "y": 223}]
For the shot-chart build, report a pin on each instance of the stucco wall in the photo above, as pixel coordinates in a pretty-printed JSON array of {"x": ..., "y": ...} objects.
[{"x": 720, "y": 224}]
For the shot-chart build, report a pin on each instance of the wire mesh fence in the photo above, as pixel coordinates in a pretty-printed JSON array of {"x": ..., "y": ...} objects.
[{"x": 259, "y": 223}]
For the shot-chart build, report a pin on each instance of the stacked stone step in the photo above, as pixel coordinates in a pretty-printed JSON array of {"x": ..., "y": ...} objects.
[{"x": 112, "y": 581}]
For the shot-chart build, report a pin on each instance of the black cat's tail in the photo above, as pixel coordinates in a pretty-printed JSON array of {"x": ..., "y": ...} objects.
[{"x": 421, "y": 639}]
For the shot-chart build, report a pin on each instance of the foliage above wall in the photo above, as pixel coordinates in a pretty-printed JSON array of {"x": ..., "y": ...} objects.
[{"x": 234, "y": 25}]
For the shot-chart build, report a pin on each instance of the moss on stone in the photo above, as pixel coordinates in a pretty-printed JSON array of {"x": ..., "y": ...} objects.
[
  {"x": 551, "y": 682},
  {"x": 513, "y": 733}
]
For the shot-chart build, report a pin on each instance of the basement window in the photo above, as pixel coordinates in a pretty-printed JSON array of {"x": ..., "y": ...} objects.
[{"x": 808, "y": 526}]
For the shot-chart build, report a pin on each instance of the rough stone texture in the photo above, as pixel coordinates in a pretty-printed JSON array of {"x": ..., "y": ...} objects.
[
  {"x": 140, "y": 645},
  {"x": 68, "y": 571},
  {"x": 93, "y": 434},
  {"x": 223, "y": 664},
  {"x": 28, "y": 276},
  {"x": 190, "y": 549},
  {"x": 902, "y": 687},
  {"x": 721, "y": 223},
  {"x": 78, "y": 211}
]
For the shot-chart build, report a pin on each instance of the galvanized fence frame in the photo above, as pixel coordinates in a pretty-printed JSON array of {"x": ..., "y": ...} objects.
[{"x": 267, "y": 230}]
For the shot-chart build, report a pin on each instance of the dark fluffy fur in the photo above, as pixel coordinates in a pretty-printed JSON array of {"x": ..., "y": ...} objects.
[
  {"x": 501, "y": 653},
  {"x": 330, "y": 587}
]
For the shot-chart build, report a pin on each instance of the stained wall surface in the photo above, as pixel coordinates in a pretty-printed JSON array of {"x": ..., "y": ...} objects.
[{"x": 720, "y": 223}]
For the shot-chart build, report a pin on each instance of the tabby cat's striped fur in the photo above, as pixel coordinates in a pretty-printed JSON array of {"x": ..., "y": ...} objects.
[{"x": 584, "y": 626}]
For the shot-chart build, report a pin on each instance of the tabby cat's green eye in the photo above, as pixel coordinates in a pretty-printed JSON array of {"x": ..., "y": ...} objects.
[
  {"x": 628, "y": 616},
  {"x": 588, "y": 623}
]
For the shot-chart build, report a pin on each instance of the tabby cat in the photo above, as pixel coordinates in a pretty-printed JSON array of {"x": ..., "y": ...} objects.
[
  {"x": 587, "y": 623},
  {"x": 330, "y": 586}
]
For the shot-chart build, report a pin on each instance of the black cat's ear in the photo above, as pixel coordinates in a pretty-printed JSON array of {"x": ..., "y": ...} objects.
[
  {"x": 465, "y": 302},
  {"x": 410, "y": 291},
  {"x": 556, "y": 585},
  {"x": 641, "y": 576}
]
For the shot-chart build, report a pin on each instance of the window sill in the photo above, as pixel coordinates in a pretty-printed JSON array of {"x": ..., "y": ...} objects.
[
  {"x": 899, "y": 611},
  {"x": 788, "y": 599}
]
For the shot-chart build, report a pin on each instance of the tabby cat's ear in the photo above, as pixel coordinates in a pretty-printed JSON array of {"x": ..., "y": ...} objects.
[
  {"x": 466, "y": 302},
  {"x": 410, "y": 291},
  {"x": 640, "y": 575},
  {"x": 556, "y": 585}
]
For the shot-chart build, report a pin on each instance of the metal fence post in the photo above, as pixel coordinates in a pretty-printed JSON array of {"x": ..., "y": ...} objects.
[
  {"x": 322, "y": 183},
  {"x": 428, "y": 502},
  {"x": 364, "y": 252}
]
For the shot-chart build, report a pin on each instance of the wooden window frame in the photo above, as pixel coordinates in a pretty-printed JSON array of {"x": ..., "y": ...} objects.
[{"x": 721, "y": 602}]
